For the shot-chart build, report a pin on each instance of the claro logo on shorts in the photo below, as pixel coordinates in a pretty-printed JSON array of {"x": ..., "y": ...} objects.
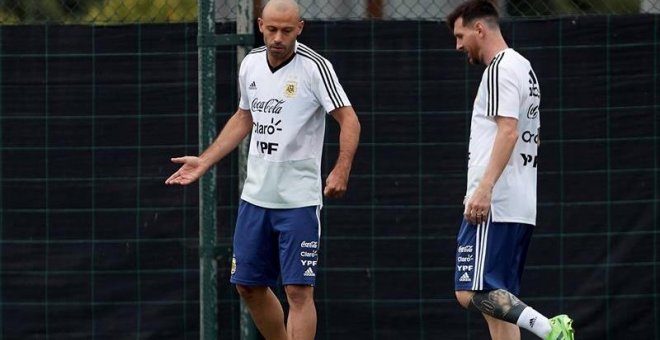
[
  {"x": 308, "y": 254},
  {"x": 310, "y": 244}
]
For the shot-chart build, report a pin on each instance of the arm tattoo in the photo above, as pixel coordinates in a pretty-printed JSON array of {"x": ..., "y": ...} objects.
[{"x": 499, "y": 304}]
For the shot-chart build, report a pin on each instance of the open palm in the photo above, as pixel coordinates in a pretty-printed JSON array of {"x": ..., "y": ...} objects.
[{"x": 189, "y": 172}]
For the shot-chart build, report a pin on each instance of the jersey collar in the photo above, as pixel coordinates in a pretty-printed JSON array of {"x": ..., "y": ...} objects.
[
  {"x": 293, "y": 55},
  {"x": 497, "y": 54}
]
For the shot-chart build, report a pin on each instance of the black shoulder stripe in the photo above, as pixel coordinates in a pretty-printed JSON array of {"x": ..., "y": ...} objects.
[
  {"x": 493, "y": 86},
  {"x": 491, "y": 89},
  {"x": 323, "y": 77},
  {"x": 258, "y": 50},
  {"x": 326, "y": 75}
]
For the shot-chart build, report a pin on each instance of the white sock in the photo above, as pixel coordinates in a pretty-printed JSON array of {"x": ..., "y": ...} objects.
[{"x": 534, "y": 322}]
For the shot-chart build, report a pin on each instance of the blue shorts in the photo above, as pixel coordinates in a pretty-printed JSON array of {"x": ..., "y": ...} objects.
[
  {"x": 273, "y": 242},
  {"x": 491, "y": 255}
]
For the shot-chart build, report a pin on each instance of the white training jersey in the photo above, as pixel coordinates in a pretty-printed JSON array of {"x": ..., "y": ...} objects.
[
  {"x": 288, "y": 106},
  {"x": 509, "y": 88}
]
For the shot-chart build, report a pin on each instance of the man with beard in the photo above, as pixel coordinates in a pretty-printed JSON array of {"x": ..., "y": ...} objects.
[{"x": 500, "y": 201}]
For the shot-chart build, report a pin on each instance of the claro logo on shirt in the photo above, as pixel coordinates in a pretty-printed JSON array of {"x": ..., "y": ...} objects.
[{"x": 530, "y": 137}]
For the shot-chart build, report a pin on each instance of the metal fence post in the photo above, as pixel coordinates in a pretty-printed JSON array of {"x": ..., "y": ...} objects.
[
  {"x": 207, "y": 184},
  {"x": 207, "y": 41},
  {"x": 244, "y": 26}
]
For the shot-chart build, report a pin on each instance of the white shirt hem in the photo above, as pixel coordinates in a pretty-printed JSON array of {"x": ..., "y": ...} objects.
[
  {"x": 270, "y": 205},
  {"x": 522, "y": 220}
]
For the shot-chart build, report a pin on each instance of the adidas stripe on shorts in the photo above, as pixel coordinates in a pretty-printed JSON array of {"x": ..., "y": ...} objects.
[{"x": 491, "y": 255}]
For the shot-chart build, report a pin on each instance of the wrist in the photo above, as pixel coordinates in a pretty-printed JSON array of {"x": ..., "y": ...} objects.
[
  {"x": 486, "y": 186},
  {"x": 342, "y": 167},
  {"x": 204, "y": 162}
]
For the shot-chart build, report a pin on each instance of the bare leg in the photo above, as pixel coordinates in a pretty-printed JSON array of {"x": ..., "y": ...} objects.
[
  {"x": 464, "y": 297},
  {"x": 500, "y": 308},
  {"x": 301, "y": 324},
  {"x": 502, "y": 330},
  {"x": 265, "y": 309}
]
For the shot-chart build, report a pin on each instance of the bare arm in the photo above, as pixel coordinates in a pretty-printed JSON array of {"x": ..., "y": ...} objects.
[
  {"x": 478, "y": 205},
  {"x": 349, "y": 136},
  {"x": 237, "y": 127}
]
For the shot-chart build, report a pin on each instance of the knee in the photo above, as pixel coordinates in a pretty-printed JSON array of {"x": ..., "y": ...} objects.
[
  {"x": 299, "y": 295},
  {"x": 249, "y": 292},
  {"x": 464, "y": 297}
]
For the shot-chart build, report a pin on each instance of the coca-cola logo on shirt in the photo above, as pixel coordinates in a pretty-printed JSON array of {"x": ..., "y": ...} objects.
[{"x": 267, "y": 106}]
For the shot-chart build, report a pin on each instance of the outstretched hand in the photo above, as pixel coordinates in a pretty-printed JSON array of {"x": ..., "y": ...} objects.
[{"x": 189, "y": 172}]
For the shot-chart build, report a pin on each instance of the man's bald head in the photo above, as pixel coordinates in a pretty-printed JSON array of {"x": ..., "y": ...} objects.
[
  {"x": 280, "y": 24},
  {"x": 281, "y": 7}
]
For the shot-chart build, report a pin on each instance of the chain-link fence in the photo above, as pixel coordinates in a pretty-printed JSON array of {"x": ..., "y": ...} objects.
[
  {"x": 151, "y": 11},
  {"x": 97, "y": 11}
]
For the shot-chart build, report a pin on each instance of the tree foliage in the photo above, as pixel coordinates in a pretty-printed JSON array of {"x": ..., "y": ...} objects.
[
  {"x": 96, "y": 11},
  {"x": 45, "y": 10},
  {"x": 144, "y": 11}
]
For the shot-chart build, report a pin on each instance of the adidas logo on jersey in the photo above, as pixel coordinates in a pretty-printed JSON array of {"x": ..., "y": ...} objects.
[
  {"x": 465, "y": 278},
  {"x": 309, "y": 272},
  {"x": 253, "y": 86}
]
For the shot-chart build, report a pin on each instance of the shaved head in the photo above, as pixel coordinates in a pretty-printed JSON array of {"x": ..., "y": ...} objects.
[
  {"x": 280, "y": 24},
  {"x": 282, "y": 7}
]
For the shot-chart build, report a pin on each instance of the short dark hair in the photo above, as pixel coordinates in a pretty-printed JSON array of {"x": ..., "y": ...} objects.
[{"x": 471, "y": 10}]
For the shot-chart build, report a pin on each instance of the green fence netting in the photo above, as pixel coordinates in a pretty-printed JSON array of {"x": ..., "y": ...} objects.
[{"x": 163, "y": 11}]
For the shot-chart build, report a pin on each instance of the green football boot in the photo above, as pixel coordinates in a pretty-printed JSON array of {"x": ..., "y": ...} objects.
[{"x": 562, "y": 328}]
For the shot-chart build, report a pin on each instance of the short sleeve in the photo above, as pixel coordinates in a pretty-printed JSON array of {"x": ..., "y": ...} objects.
[
  {"x": 326, "y": 86},
  {"x": 244, "y": 102},
  {"x": 504, "y": 97}
]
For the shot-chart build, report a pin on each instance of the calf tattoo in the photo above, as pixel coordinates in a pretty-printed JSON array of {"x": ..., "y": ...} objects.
[{"x": 499, "y": 304}]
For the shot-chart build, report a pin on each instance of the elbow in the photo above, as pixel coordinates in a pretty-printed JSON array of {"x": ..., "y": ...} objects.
[
  {"x": 353, "y": 124},
  {"x": 510, "y": 134},
  {"x": 509, "y": 137},
  {"x": 513, "y": 135}
]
